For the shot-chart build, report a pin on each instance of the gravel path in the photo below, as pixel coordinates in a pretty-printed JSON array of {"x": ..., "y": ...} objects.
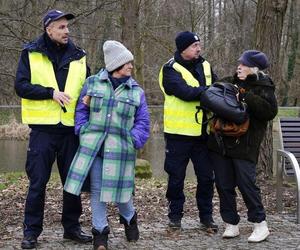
[{"x": 285, "y": 234}]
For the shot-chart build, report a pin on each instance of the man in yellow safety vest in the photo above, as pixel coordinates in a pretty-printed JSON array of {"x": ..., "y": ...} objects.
[
  {"x": 182, "y": 80},
  {"x": 50, "y": 75}
]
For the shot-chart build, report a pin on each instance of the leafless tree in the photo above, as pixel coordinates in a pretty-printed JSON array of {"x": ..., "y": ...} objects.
[
  {"x": 268, "y": 30},
  {"x": 148, "y": 28}
]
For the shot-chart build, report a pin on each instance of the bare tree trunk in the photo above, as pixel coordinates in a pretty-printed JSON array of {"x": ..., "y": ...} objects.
[
  {"x": 293, "y": 65},
  {"x": 131, "y": 35},
  {"x": 268, "y": 31},
  {"x": 205, "y": 28},
  {"x": 210, "y": 20},
  {"x": 285, "y": 54}
]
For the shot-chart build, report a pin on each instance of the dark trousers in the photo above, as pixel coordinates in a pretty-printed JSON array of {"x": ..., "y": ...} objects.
[
  {"x": 231, "y": 173},
  {"x": 43, "y": 149},
  {"x": 178, "y": 154}
]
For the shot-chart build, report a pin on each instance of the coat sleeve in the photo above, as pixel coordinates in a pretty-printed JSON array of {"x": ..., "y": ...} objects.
[
  {"x": 141, "y": 128},
  {"x": 23, "y": 85},
  {"x": 263, "y": 107},
  {"x": 82, "y": 112}
]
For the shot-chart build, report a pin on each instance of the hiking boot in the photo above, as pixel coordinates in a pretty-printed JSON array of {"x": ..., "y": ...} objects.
[
  {"x": 131, "y": 230},
  {"x": 29, "y": 242},
  {"x": 100, "y": 238},
  {"x": 175, "y": 223},
  {"x": 260, "y": 232},
  {"x": 209, "y": 227},
  {"x": 231, "y": 231}
]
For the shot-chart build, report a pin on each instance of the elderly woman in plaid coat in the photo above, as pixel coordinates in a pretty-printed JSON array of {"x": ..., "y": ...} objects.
[{"x": 112, "y": 121}]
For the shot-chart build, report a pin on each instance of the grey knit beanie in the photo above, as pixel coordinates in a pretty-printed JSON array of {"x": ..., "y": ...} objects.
[{"x": 115, "y": 55}]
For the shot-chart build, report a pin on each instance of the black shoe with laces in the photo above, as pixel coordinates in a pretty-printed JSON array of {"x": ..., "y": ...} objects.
[
  {"x": 29, "y": 242},
  {"x": 131, "y": 230},
  {"x": 78, "y": 236},
  {"x": 209, "y": 227},
  {"x": 100, "y": 239}
]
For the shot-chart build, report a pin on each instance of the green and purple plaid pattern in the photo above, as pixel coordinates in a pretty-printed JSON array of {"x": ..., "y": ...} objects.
[{"x": 111, "y": 119}]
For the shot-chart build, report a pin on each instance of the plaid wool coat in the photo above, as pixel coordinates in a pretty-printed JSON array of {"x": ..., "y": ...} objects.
[{"x": 111, "y": 118}]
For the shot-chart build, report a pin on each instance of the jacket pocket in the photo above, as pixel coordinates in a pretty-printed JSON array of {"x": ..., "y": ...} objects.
[
  {"x": 97, "y": 101},
  {"x": 126, "y": 107}
]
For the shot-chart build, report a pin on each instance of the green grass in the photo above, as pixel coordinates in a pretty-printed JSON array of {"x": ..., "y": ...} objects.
[
  {"x": 6, "y": 179},
  {"x": 10, "y": 178},
  {"x": 288, "y": 112}
]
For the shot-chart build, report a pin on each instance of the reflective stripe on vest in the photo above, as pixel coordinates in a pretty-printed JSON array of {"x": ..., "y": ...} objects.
[
  {"x": 48, "y": 111},
  {"x": 179, "y": 115}
]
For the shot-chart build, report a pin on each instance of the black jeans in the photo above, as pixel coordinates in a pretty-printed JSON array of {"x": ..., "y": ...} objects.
[
  {"x": 231, "y": 173},
  {"x": 178, "y": 154},
  {"x": 43, "y": 149}
]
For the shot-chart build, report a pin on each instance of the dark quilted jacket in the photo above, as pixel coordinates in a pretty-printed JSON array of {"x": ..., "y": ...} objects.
[{"x": 261, "y": 107}]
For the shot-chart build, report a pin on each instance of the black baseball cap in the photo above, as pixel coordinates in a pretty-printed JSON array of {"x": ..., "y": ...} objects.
[{"x": 53, "y": 15}]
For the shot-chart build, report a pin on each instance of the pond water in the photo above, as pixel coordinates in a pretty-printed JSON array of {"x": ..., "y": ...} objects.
[
  {"x": 13, "y": 155},
  {"x": 13, "y": 152}
]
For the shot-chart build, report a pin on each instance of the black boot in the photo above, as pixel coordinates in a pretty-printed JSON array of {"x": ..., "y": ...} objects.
[
  {"x": 29, "y": 242},
  {"x": 131, "y": 231},
  {"x": 100, "y": 239}
]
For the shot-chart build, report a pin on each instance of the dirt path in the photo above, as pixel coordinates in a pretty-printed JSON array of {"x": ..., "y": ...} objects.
[{"x": 152, "y": 213}]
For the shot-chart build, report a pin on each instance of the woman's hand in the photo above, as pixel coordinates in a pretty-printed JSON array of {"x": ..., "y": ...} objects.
[{"x": 86, "y": 100}]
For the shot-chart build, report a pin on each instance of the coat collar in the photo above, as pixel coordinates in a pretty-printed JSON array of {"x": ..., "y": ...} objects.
[
  {"x": 43, "y": 42},
  {"x": 187, "y": 63},
  {"x": 254, "y": 80},
  {"x": 103, "y": 76}
]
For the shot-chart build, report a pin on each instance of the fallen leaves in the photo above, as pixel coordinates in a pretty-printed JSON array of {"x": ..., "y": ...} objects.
[{"x": 149, "y": 200}]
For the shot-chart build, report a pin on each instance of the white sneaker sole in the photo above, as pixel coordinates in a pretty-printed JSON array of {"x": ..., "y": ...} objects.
[
  {"x": 224, "y": 236},
  {"x": 259, "y": 240}
]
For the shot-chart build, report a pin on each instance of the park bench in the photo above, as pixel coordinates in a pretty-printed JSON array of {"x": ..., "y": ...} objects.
[{"x": 288, "y": 158}]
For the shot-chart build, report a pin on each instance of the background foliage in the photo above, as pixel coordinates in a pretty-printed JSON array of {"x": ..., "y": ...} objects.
[{"x": 148, "y": 28}]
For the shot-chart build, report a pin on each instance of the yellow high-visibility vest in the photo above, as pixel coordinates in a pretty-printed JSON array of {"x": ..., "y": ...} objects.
[
  {"x": 49, "y": 111},
  {"x": 179, "y": 115}
]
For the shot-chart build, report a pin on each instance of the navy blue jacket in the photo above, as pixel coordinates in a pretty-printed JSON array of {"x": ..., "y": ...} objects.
[
  {"x": 174, "y": 84},
  {"x": 60, "y": 56}
]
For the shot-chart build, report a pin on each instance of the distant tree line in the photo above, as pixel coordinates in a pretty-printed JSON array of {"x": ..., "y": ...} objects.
[{"x": 148, "y": 28}]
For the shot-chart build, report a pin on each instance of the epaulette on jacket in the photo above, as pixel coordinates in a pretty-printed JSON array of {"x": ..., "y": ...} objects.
[
  {"x": 30, "y": 46},
  {"x": 170, "y": 62},
  {"x": 82, "y": 50}
]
